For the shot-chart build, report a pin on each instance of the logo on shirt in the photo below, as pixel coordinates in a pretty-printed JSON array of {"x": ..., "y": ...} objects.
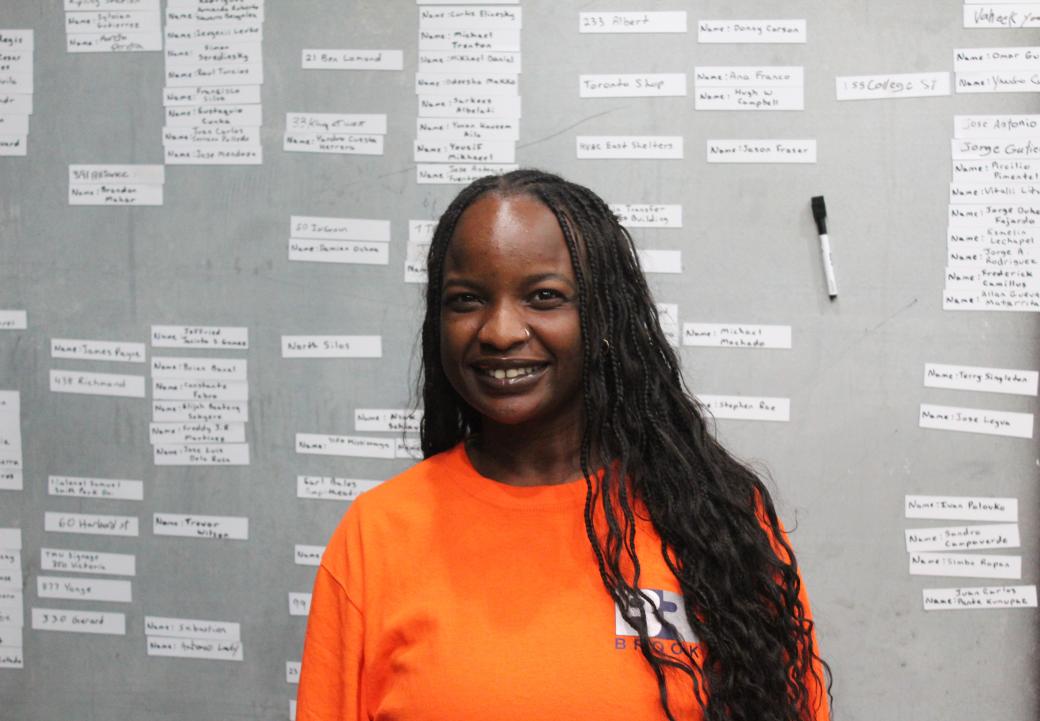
[{"x": 672, "y": 611}]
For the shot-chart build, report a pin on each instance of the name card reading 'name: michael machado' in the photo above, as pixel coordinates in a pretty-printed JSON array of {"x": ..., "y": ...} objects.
[{"x": 736, "y": 335}]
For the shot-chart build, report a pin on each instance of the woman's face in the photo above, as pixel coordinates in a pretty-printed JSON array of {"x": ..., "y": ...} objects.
[{"x": 510, "y": 333}]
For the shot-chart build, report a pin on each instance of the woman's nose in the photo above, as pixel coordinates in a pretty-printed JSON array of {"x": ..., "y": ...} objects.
[{"x": 504, "y": 327}]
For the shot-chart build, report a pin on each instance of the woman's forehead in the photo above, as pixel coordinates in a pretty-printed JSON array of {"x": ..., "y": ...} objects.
[{"x": 512, "y": 230}]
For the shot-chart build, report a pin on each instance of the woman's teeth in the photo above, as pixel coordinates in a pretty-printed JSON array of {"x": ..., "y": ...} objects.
[{"x": 502, "y": 374}]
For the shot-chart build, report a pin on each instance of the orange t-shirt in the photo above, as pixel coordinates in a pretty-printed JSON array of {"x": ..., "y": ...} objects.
[{"x": 445, "y": 595}]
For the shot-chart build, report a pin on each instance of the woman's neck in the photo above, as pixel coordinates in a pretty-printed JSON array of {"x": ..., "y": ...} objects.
[{"x": 527, "y": 456}]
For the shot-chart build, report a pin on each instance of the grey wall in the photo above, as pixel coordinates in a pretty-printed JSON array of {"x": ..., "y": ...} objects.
[{"x": 215, "y": 254}]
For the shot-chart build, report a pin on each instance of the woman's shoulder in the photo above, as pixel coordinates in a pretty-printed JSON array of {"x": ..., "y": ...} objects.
[{"x": 414, "y": 484}]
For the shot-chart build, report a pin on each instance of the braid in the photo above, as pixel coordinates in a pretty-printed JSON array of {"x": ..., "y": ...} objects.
[{"x": 720, "y": 536}]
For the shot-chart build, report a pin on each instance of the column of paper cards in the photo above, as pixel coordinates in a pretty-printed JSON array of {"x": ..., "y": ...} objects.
[
  {"x": 12, "y": 617},
  {"x": 12, "y": 614},
  {"x": 993, "y": 245},
  {"x": 467, "y": 85},
  {"x": 16, "y": 91},
  {"x": 635, "y": 82},
  {"x": 200, "y": 405},
  {"x": 193, "y": 638},
  {"x": 112, "y": 26},
  {"x": 214, "y": 72}
]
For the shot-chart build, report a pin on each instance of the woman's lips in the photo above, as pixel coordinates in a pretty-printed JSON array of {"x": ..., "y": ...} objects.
[{"x": 509, "y": 379}]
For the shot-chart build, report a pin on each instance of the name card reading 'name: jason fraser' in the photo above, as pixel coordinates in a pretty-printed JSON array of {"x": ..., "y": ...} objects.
[
  {"x": 632, "y": 22},
  {"x": 201, "y": 454},
  {"x": 747, "y": 408},
  {"x": 200, "y": 336},
  {"x": 630, "y": 147},
  {"x": 79, "y": 561},
  {"x": 976, "y": 420},
  {"x": 889, "y": 87},
  {"x": 962, "y": 508},
  {"x": 962, "y": 538},
  {"x": 332, "y": 346},
  {"x": 234, "y": 528},
  {"x": 64, "y": 619},
  {"x": 979, "y": 597},
  {"x": 191, "y": 628},
  {"x": 736, "y": 335},
  {"x": 331, "y": 489},
  {"x": 84, "y": 589},
  {"x": 761, "y": 151},
  {"x": 100, "y": 488},
  {"x": 966, "y": 565},
  {"x": 355, "y": 446}
]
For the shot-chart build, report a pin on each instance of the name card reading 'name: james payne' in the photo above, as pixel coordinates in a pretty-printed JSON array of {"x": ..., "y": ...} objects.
[
  {"x": 97, "y": 350},
  {"x": 234, "y": 528},
  {"x": 962, "y": 508}
]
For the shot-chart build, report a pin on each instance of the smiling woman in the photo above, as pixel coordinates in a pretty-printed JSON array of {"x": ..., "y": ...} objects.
[{"x": 575, "y": 544}]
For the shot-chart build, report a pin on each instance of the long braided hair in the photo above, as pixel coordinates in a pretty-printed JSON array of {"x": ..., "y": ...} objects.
[{"x": 739, "y": 581}]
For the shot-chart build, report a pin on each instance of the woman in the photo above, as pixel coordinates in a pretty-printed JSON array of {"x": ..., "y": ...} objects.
[{"x": 575, "y": 544}]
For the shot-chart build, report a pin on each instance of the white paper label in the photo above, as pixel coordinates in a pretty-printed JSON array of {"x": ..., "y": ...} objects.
[
  {"x": 962, "y": 508},
  {"x": 747, "y": 408},
  {"x": 962, "y": 538},
  {"x": 976, "y": 420},
  {"x": 194, "y": 648},
  {"x": 191, "y": 628},
  {"x": 632, "y": 22},
  {"x": 736, "y": 335},
  {"x": 79, "y": 561},
  {"x": 100, "y": 488},
  {"x": 63, "y": 619},
  {"x": 90, "y": 523},
  {"x": 761, "y": 151},
  {"x": 630, "y": 146},
  {"x": 974, "y": 378},
  {"x": 967, "y": 565},
  {"x": 979, "y": 597},
  {"x": 332, "y": 346},
  {"x": 195, "y": 526},
  {"x": 83, "y": 589},
  {"x": 356, "y": 446},
  {"x": 328, "y": 488}
]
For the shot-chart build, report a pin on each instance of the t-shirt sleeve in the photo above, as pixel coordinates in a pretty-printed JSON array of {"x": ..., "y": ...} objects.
[{"x": 331, "y": 676}]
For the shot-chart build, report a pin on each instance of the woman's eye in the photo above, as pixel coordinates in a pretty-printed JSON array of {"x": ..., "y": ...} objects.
[
  {"x": 461, "y": 301},
  {"x": 547, "y": 296}
]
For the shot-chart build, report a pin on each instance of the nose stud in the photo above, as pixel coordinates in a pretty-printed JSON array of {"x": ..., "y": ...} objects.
[{"x": 527, "y": 334}]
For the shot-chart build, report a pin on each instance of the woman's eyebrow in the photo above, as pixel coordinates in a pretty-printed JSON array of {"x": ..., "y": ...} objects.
[{"x": 539, "y": 277}]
